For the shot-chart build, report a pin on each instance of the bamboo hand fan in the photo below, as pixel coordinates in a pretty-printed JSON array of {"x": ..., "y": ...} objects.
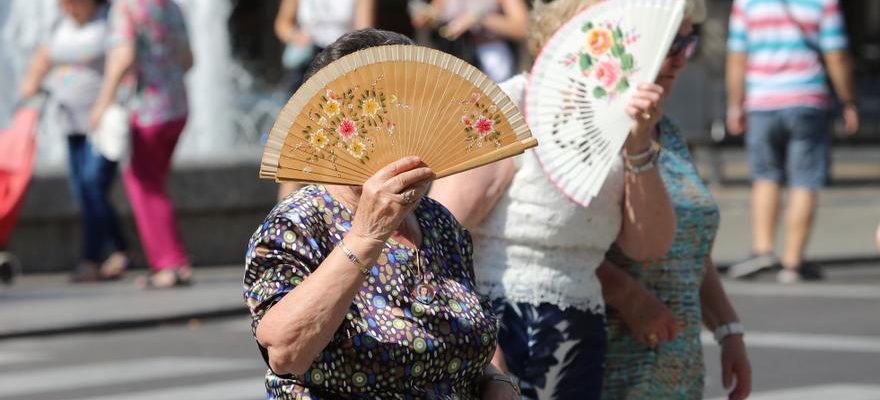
[
  {"x": 582, "y": 81},
  {"x": 377, "y": 105}
]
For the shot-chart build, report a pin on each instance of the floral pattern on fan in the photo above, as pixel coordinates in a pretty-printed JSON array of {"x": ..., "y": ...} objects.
[
  {"x": 480, "y": 122},
  {"x": 346, "y": 121},
  {"x": 605, "y": 58}
]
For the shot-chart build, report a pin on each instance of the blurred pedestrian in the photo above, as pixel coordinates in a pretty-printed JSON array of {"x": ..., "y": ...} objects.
[
  {"x": 306, "y": 27},
  {"x": 72, "y": 57},
  {"x": 149, "y": 37},
  {"x": 337, "y": 287},
  {"x": 540, "y": 256},
  {"x": 781, "y": 54},
  {"x": 480, "y": 32},
  {"x": 685, "y": 279}
]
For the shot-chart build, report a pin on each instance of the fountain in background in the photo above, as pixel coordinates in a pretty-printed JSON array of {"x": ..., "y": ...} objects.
[{"x": 220, "y": 128}]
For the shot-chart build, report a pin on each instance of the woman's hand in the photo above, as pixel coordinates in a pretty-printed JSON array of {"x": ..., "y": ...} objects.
[
  {"x": 97, "y": 113},
  {"x": 735, "y": 366},
  {"x": 645, "y": 110},
  {"x": 388, "y": 196},
  {"x": 649, "y": 319},
  {"x": 28, "y": 89},
  {"x": 461, "y": 24},
  {"x": 299, "y": 38},
  {"x": 497, "y": 390}
]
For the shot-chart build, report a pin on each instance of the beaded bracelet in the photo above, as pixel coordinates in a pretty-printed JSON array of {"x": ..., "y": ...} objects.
[
  {"x": 638, "y": 169},
  {"x": 365, "y": 271},
  {"x": 652, "y": 148}
]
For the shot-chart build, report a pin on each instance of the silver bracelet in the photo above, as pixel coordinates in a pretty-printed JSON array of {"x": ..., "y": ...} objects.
[
  {"x": 653, "y": 148},
  {"x": 365, "y": 271},
  {"x": 639, "y": 169},
  {"x": 725, "y": 330}
]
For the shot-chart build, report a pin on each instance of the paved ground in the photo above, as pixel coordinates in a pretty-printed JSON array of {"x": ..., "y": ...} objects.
[{"x": 807, "y": 342}]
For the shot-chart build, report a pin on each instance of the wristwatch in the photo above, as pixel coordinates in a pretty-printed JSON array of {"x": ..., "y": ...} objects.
[{"x": 725, "y": 330}]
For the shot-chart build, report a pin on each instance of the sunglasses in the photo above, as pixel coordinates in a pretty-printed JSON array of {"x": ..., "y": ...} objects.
[{"x": 685, "y": 44}]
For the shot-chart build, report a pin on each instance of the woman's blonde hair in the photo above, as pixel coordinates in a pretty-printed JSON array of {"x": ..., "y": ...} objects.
[{"x": 547, "y": 17}]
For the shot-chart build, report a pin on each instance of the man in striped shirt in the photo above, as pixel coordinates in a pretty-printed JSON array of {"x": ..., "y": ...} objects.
[{"x": 780, "y": 56}]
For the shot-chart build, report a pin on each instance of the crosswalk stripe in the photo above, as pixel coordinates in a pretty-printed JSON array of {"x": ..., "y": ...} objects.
[
  {"x": 811, "y": 290},
  {"x": 81, "y": 376},
  {"x": 242, "y": 389},
  {"x": 9, "y": 358},
  {"x": 807, "y": 341},
  {"x": 820, "y": 392}
]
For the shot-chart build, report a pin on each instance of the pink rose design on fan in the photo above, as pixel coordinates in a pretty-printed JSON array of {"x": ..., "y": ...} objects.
[
  {"x": 608, "y": 73},
  {"x": 484, "y": 126},
  {"x": 346, "y": 129},
  {"x": 466, "y": 120},
  {"x": 599, "y": 41},
  {"x": 330, "y": 94}
]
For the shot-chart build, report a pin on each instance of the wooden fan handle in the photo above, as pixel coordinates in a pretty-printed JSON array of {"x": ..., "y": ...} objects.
[{"x": 508, "y": 151}]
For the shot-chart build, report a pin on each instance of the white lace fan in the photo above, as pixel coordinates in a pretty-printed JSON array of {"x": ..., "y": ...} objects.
[
  {"x": 582, "y": 80},
  {"x": 379, "y": 104}
]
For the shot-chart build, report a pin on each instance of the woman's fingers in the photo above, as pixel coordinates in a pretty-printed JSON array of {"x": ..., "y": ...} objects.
[
  {"x": 397, "y": 167},
  {"x": 405, "y": 180}
]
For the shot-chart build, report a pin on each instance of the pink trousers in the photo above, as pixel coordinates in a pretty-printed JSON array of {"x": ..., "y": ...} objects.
[{"x": 145, "y": 179}]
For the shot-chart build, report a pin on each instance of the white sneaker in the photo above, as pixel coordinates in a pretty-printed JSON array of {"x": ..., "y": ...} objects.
[{"x": 752, "y": 266}]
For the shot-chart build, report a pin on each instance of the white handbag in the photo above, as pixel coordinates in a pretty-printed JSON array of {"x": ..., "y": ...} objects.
[{"x": 112, "y": 138}]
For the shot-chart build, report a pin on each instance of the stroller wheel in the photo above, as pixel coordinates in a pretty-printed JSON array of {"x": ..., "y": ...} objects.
[{"x": 10, "y": 268}]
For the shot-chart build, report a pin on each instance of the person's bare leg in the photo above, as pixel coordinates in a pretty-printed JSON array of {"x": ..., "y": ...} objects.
[
  {"x": 798, "y": 223},
  {"x": 286, "y": 188},
  {"x": 765, "y": 215}
]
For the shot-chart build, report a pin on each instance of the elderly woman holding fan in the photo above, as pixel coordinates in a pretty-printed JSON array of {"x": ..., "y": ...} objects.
[{"x": 368, "y": 291}]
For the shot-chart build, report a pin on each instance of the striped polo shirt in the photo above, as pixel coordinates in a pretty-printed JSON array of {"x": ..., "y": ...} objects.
[{"x": 784, "y": 69}]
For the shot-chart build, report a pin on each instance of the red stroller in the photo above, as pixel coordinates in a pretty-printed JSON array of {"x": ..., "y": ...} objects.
[{"x": 17, "y": 150}]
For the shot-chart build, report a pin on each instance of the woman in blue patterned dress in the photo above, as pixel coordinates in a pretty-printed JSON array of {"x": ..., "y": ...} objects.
[
  {"x": 369, "y": 293},
  {"x": 685, "y": 279}
]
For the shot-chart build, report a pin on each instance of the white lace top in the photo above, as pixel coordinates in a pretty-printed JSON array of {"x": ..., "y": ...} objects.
[{"x": 536, "y": 246}]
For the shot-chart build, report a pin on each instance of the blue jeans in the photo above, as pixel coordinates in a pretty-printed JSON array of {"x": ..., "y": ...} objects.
[
  {"x": 556, "y": 354},
  {"x": 91, "y": 177},
  {"x": 790, "y": 145}
]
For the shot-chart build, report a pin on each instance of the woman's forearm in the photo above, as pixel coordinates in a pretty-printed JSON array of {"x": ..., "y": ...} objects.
[
  {"x": 716, "y": 306},
  {"x": 617, "y": 285},
  {"x": 471, "y": 195},
  {"x": 38, "y": 69},
  {"x": 513, "y": 21},
  {"x": 364, "y": 14},
  {"x": 648, "y": 226},
  {"x": 285, "y": 21},
  {"x": 303, "y": 322},
  {"x": 119, "y": 62}
]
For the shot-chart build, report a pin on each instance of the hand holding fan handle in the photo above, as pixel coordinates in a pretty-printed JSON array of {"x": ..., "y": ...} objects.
[
  {"x": 645, "y": 110},
  {"x": 388, "y": 197}
]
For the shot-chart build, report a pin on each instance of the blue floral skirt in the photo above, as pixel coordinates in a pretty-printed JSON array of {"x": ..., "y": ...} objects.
[{"x": 556, "y": 354}]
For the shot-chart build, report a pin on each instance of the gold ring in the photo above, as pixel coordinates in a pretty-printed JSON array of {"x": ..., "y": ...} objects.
[
  {"x": 408, "y": 196},
  {"x": 652, "y": 340},
  {"x": 646, "y": 115}
]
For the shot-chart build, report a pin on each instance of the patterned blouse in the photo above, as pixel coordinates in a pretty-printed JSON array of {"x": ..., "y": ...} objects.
[
  {"x": 159, "y": 32},
  {"x": 675, "y": 370},
  {"x": 390, "y": 345}
]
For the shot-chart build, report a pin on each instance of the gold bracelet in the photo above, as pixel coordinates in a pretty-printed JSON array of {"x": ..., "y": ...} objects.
[{"x": 365, "y": 271}]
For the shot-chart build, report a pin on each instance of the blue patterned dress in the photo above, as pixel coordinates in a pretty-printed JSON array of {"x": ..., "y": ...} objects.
[
  {"x": 390, "y": 346},
  {"x": 675, "y": 369}
]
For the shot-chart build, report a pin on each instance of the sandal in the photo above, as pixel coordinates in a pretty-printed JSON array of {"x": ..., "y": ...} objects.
[
  {"x": 114, "y": 267},
  {"x": 165, "y": 279}
]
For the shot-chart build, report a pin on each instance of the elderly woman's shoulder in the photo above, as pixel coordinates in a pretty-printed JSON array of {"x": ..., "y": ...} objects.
[{"x": 301, "y": 204}]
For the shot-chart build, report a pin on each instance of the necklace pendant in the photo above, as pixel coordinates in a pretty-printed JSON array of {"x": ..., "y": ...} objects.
[{"x": 424, "y": 292}]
